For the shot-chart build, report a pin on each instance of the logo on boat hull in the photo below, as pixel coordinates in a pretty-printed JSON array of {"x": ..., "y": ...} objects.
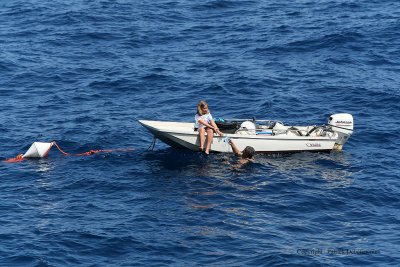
[{"x": 313, "y": 144}]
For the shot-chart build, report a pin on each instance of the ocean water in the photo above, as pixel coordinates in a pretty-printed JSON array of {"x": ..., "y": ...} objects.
[{"x": 83, "y": 73}]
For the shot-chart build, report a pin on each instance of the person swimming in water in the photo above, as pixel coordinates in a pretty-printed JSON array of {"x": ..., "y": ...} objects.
[{"x": 246, "y": 155}]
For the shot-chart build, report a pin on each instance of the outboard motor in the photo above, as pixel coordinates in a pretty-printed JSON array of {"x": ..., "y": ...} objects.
[{"x": 342, "y": 124}]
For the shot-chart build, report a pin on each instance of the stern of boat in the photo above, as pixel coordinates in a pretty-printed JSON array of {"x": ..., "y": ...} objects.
[{"x": 342, "y": 124}]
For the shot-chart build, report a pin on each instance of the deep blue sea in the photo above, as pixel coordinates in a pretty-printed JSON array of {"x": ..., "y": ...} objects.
[{"x": 84, "y": 72}]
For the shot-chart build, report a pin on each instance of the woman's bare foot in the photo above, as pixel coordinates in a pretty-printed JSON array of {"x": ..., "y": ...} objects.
[{"x": 207, "y": 151}]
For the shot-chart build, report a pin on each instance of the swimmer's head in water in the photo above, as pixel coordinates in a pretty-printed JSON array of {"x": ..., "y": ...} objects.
[{"x": 248, "y": 152}]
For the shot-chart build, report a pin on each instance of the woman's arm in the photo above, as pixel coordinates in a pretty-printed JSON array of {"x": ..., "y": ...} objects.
[
  {"x": 206, "y": 124},
  {"x": 216, "y": 128},
  {"x": 211, "y": 125}
]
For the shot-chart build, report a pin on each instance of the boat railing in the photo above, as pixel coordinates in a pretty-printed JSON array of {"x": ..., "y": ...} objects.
[
  {"x": 252, "y": 120},
  {"x": 303, "y": 132}
]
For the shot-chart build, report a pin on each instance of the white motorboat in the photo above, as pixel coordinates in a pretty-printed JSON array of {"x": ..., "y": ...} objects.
[{"x": 265, "y": 136}]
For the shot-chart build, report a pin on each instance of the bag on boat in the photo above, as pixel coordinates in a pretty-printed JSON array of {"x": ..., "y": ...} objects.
[{"x": 229, "y": 127}]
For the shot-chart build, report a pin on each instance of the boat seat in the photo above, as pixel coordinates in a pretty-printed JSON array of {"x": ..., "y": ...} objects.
[{"x": 296, "y": 131}]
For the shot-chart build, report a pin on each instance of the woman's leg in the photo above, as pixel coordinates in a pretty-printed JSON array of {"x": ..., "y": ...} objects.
[
  {"x": 202, "y": 137},
  {"x": 210, "y": 135}
]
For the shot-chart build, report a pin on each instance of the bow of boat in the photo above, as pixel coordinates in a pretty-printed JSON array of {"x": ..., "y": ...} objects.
[{"x": 167, "y": 126}]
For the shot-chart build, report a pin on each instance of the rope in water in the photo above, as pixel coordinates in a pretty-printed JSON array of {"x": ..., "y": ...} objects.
[
  {"x": 59, "y": 149},
  {"x": 20, "y": 157}
]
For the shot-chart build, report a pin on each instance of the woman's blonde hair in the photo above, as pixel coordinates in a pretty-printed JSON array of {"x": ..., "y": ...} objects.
[{"x": 201, "y": 105}]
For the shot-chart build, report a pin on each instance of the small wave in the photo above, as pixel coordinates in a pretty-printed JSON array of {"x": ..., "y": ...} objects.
[
  {"x": 332, "y": 41},
  {"x": 94, "y": 36},
  {"x": 155, "y": 77},
  {"x": 221, "y": 4},
  {"x": 120, "y": 84},
  {"x": 283, "y": 29},
  {"x": 379, "y": 60},
  {"x": 20, "y": 260},
  {"x": 343, "y": 60}
]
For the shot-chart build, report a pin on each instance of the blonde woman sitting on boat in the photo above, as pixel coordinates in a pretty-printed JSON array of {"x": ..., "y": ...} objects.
[{"x": 204, "y": 123}]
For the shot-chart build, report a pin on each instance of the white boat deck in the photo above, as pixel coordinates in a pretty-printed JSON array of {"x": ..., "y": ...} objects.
[{"x": 188, "y": 128}]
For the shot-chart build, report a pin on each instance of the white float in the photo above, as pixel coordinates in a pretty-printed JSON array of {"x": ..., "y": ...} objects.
[{"x": 38, "y": 150}]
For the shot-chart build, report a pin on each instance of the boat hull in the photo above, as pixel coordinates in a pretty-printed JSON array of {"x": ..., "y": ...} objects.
[{"x": 182, "y": 135}]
